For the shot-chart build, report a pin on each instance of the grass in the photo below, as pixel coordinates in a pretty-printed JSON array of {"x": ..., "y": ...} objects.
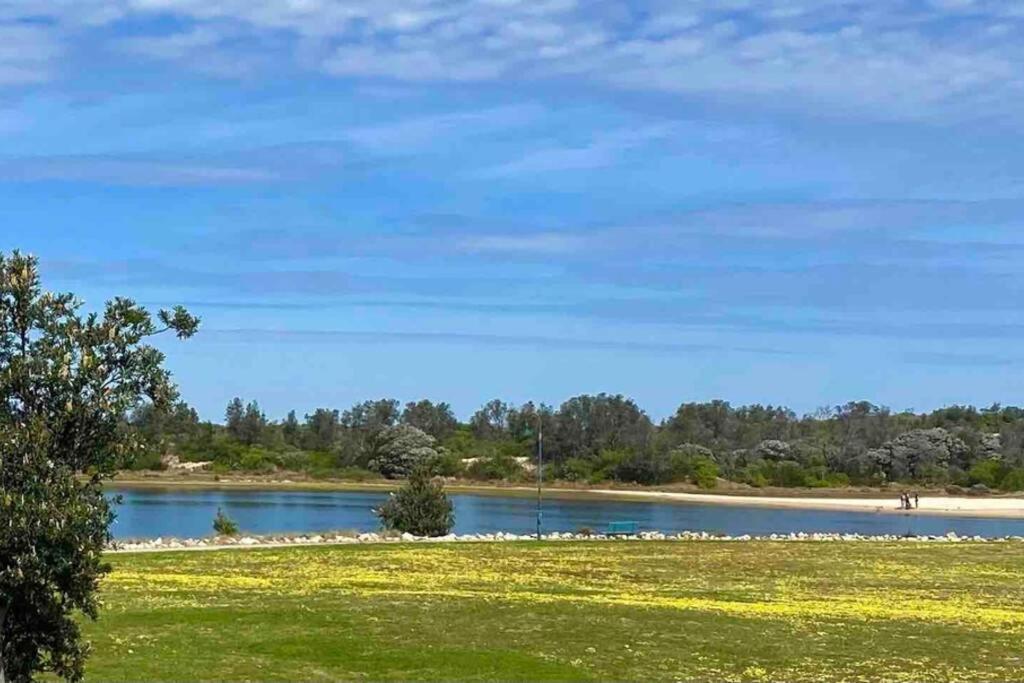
[{"x": 567, "y": 611}]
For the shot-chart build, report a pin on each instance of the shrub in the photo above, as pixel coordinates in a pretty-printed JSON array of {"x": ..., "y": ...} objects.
[
  {"x": 705, "y": 473},
  {"x": 986, "y": 472},
  {"x": 420, "y": 507},
  {"x": 449, "y": 465},
  {"x": 224, "y": 525},
  {"x": 643, "y": 468},
  {"x": 789, "y": 473},
  {"x": 1014, "y": 480},
  {"x": 497, "y": 466},
  {"x": 147, "y": 460},
  {"x": 576, "y": 469}
]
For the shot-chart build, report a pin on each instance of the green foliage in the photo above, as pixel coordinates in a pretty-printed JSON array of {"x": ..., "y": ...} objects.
[
  {"x": 596, "y": 438},
  {"x": 576, "y": 469},
  {"x": 224, "y": 525},
  {"x": 67, "y": 381},
  {"x": 449, "y": 465},
  {"x": 496, "y": 466},
  {"x": 420, "y": 507},
  {"x": 987, "y": 472},
  {"x": 1013, "y": 480},
  {"x": 705, "y": 473},
  {"x": 400, "y": 449}
]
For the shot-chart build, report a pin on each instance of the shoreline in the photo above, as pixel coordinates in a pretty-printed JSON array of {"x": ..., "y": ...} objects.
[
  {"x": 1004, "y": 507},
  {"x": 277, "y": 541}
]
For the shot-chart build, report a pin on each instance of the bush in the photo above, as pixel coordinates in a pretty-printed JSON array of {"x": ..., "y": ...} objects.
[
  {"x": 986, "y": 472},
  {"x": 705, "y": 473},
  {"x": 643, "y": 468},
  {"x": 449, "y": 465},
  {"x": 576, "y": 469},
  {"x": 420, "y": 507},
  {"x": 224, "y": 525},
  {"x": 147, "y": 460},
  {"x": 1014, "y": 480},
  {"x": 495, "y": 467}
]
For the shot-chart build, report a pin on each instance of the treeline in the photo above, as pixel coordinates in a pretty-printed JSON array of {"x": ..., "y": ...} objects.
[{"x": 595, "y": 438}]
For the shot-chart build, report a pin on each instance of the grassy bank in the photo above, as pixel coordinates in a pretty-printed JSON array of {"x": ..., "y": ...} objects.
[{"x": 564, "y": 611}]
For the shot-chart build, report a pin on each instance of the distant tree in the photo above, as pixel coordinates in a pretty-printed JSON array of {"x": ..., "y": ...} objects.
[
  {"x": 250, "y": 432},
  {"x": 491, "y": 421},
  {"x": 234, "y": 414},
  {"x": 524, "y": 422},
  {"x": 910, "y": 455},
  {"x": 321, "y": 429},
  {"x": 291, "y": 430},
  {"x": 436, "y": 419},
  {"x": 66, "y": 382},
  {"x": 401, "y": 449},
  {"x": 586, "y": 425},
  {"x": 711, "y": 425},
  {"x": 363, "y": 422},
  {"x": 420, "y": 507}
]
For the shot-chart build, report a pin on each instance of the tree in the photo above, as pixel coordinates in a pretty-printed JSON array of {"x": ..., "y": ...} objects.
[
  {"x": 401, "y": 449},
  {"x": 586, "y": 425},
  {"x": 420, "y": 507},
  {"x": 363, "y": 422},
  {"x": 436, "y": 419},
  {"x": 290, "y": 429},
  {"x": 321, "y": 429},
  {"x": 66, "y": 382},
  {"x": 491, "y": 421},
  {"x": 234, "y": 414},
  {"x": 253, "y": 423}
]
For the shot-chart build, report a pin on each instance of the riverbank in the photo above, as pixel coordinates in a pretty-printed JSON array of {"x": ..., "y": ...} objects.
[
  {"x": 371, "y": 538},
  {"x": 931, "y": 502},
  {"x": 650, "y": 611}
]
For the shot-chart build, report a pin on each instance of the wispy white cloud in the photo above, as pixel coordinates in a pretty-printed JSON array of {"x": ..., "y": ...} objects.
[
  {"x": 128, "y": 171},
  {"x": 538, "y": 243},
  {"x": 409, "y": 133},
  {"x": 604, "y": 149},
  {"x": 28, "y": 54},
  {"x": 901, "y": 59}
]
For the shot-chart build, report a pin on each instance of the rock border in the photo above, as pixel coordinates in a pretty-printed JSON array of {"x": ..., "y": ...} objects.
[{"x": 352, "y": 538}]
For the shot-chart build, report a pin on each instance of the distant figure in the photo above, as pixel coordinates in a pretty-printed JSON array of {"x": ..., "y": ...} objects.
[{"x": 917, "y": 501}]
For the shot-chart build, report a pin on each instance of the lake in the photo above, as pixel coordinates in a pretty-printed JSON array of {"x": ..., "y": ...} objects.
[{"x": 183, "y": 513}]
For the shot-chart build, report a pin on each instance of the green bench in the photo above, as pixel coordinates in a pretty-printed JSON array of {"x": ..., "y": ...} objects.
[{"x": 622, "y": 529}]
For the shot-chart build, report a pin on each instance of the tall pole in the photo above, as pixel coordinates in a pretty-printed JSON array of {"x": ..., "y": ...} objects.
[{"x": 540, "y": 471}]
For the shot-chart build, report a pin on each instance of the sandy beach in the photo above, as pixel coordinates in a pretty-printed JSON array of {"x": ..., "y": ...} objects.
[{"x": 1009, "y": 507}]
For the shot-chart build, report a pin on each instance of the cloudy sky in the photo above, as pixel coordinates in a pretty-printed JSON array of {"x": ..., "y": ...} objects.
[{"x": 786, "y": 201}]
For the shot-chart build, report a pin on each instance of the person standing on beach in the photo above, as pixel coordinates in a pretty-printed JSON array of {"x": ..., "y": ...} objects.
[{"x": 917, "y": 501}]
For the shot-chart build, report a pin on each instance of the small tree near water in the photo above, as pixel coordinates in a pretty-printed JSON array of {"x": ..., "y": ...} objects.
[
  {"x": 420, "y": 507},
  {"x": 224, "y": 525},
  {"x": 67, "y": 381}
]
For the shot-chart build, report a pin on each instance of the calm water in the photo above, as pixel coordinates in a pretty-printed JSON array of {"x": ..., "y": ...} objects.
[{"x": 148, "y": 513}]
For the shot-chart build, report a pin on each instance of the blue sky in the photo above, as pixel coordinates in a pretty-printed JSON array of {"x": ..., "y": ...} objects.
[{"x": 786, "y": 201}]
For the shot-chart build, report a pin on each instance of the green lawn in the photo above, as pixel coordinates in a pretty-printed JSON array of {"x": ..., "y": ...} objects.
[{"x": 567, "y": 611}]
